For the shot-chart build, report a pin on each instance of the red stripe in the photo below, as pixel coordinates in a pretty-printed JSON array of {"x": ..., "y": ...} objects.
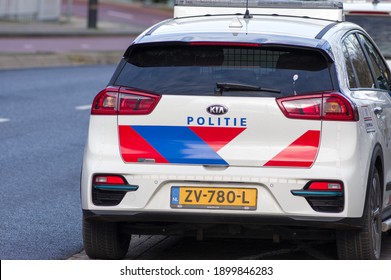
[
  {"x": 134, "y": 148},
  {"x": 300, "y": 153},
  {"x": 217, "y": 137}
]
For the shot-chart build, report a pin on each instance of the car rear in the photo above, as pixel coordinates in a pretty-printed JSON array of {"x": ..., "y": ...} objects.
[
  {"x": 181, "y": 144},
  {"x": 222, "y": 134}
]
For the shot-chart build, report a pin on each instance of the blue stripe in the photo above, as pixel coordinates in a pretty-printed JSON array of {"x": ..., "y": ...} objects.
[{"x": 178, "y": 144}]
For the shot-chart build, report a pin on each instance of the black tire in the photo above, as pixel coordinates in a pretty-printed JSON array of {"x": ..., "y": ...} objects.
[
  {"x": 365, "y": 243},
  {"x": 102, "y": 240}
]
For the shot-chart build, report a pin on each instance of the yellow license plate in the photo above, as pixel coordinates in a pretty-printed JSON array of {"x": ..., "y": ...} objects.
[{"x": 214, "y": 198}]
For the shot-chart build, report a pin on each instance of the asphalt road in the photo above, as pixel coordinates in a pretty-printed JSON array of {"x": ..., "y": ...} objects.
[
  {"x": 43, "y": 128},
  {"x": 148, "y": 247}
]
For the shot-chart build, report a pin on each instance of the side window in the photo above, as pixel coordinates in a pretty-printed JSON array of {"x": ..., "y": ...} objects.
[
  {"x": 350, "y": 68},
  {"x": 380, "y": 69},
  {"x": 356, "y": 61}
]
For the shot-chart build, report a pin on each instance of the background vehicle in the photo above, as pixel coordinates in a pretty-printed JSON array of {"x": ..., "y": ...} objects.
[
  {"x": 374, "y": 17},
  {"x": 258, "y": 122}
]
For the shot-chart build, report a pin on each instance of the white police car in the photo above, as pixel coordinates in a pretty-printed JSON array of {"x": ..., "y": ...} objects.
[{"x": 268, "y": 121}]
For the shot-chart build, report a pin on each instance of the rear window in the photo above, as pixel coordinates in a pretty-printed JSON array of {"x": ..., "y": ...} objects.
[{"x": 196, "y": 69}]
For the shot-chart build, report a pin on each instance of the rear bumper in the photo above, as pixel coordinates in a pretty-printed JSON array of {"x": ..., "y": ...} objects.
[{"x": 161, "y": 219}]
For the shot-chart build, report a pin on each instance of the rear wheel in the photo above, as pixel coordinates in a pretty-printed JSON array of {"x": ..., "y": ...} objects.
[
  {"x": 365, "y": 243},
  {"x": 102, "y": 240}
]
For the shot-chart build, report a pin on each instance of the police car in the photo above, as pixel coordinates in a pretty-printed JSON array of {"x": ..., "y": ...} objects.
[{"x": 243, "y": 118}]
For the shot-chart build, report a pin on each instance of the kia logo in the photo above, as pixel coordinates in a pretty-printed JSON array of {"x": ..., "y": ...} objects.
[{"x": 217, "y": 110}]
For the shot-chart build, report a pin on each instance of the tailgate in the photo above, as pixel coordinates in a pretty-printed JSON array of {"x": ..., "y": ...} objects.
[{"x": 214, "y": 103}]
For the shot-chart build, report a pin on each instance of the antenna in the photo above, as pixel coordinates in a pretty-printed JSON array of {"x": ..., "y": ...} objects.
[{"x": 247, "y": 14}]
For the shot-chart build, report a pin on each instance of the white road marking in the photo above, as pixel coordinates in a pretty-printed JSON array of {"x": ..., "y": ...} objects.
[
  {"x": 83, "y": 107},
  {"x": 120, "y": 15},
  {"x": 2, "y": 120}
]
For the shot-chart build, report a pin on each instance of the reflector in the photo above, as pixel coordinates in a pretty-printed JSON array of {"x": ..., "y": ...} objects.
[
  {"x": 333, "y": 186},
  {"x": 109, "y": 179}
]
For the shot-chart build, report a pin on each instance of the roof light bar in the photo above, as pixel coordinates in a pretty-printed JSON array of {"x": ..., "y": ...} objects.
[
  {"x": 296, "y": 4},
  {"x": 330, "y": 10}
]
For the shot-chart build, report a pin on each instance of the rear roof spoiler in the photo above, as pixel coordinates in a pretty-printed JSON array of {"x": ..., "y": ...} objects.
[{"x": 329, "y": 10}]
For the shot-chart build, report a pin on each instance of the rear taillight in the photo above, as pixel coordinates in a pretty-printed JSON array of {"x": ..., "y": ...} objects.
[
  {"x": 136, "y": 103},
  {"x": 123, "y": 101},
  {"x": 319, "y": 106},
  {"x": 105, "y": 103}
]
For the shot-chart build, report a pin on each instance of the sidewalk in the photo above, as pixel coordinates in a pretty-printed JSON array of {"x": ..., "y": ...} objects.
[
  {"x": 76, "y": 25},
  {"x": 76, "y": 36}
]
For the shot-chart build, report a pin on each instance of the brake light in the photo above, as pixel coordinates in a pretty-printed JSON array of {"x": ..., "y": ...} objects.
[
  {"x": 320, "y": 106},
  {"x": 123, "y": 101},
  {"x": 105, "y": 103},
  {"x": 308, "y": 107},
  {"x": 136, "y": 103},
  {"x": 226, "y": 44},
  {"x": 337, "y": 107}
]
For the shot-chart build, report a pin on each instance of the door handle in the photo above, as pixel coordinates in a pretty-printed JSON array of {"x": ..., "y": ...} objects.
[{"x": 378, "y": 111}]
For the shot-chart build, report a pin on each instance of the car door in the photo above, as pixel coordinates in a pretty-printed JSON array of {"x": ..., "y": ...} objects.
[
  {"x": 382, "y": 77},
  {"x": 368, "y": 74}
]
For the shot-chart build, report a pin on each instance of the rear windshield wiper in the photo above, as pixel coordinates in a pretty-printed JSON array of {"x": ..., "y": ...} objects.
[{"x": 221, "y": 87}]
